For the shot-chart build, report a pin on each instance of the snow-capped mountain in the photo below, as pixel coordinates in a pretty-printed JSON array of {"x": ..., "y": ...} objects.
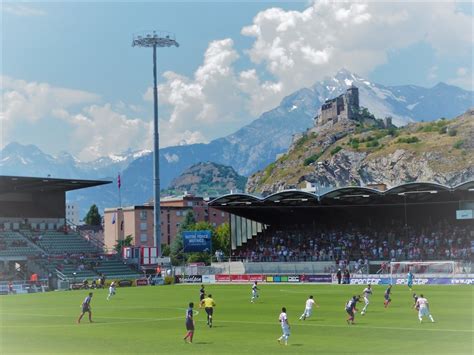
[
  {"x": 249, "y": 149},
  {"x": 29, "y": 160}
]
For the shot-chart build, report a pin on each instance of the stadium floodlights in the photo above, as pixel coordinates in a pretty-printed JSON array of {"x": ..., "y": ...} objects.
[
  {"x": 418, "y": 192},
  {"x": 154, "y": 39}
]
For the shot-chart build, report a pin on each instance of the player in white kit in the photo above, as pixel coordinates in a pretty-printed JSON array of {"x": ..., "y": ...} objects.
[
  {"x": 254, "y": 292},
  {"x": 367, "y": 294},
  {"x": 423, "y": 308},
  {"x": 111, "y": 291},
  {"x": 308, "y": 311},
  {"x": 285, "y": 327}
]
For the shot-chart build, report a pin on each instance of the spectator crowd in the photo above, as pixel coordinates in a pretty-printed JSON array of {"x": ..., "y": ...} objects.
[{"x": 441, "y": 241}]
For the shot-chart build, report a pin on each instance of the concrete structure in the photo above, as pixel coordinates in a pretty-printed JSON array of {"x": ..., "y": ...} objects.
[
  {"x": 345, "y": 106},
  {"x": 137, "y": 221}
]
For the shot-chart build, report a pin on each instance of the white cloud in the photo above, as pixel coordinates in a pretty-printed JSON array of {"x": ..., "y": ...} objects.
[
  {"x": 301, "y": 47},
  {"x": 98, "y": 130},
  {"x": 95, "y": 130},
  {"x": 31, "y": 100},
  {"x": 207, "y": 105},
  {"x": 22, "y": 10}
]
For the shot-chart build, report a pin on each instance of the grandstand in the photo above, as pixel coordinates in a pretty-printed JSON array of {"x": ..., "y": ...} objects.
[
  {"x": 350, "y": 227},
  {"x": 35, "y": 237}
]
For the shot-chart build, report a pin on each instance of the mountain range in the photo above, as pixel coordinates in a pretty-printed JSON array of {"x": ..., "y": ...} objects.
[{"x": 247, "y": 150}]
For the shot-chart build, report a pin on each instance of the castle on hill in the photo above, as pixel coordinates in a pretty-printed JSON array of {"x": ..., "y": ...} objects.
[{"x": 343, "y": 107}]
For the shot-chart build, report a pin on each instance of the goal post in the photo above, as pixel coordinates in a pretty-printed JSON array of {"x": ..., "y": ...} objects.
[{"x": 400, "y": 269}]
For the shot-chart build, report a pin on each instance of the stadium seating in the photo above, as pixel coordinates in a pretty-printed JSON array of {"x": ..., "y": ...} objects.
[
  {"x": 13, "y": 244},
  {"x": 54, "y": 242},
  {"x": 116, "y": 268}
]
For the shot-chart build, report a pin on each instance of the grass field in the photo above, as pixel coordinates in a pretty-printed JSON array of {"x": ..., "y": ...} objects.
[{"x": 151, "y": 320}]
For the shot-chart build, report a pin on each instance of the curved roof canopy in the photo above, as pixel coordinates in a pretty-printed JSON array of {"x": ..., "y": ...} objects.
[{"x": 356, "y": 195}]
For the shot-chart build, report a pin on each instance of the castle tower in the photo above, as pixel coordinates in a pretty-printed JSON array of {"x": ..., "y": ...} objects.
[{"x": 352, "y": 99}]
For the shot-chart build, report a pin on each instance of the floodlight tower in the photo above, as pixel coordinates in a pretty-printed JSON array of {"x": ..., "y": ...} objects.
[{"x": 155, "y": 39}]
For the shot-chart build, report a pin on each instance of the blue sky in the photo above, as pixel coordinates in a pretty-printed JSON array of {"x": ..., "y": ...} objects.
[{"x": 72, "y": 81}]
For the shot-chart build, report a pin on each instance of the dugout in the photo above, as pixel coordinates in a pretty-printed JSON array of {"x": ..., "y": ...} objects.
[{"x": 406, "y": 205}]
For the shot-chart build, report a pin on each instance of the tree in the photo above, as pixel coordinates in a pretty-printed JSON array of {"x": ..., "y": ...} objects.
[
  {"x": 223, "y": 238},
  {"x": 93, "y": 217},
  {"x": 127, "y": 242},
  {"x": 188, "y": 222}
]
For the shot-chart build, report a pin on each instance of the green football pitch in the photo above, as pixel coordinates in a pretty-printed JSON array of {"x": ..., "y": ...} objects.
[{"x": 151, "y": 320}]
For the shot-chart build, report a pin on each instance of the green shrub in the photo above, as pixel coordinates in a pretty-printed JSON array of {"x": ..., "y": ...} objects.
[
  {"x": 408, "y": 140},
  {"x": 336, "y": 150},
  {"x": 458, "y": 144},
  {"x": 372, "y": 144},
  {"x": 452, "y": 132},
  {"x": 312, "y": 159}
]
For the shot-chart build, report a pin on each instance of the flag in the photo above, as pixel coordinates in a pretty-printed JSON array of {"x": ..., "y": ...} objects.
[
  {"x": 113, "y": 218},
  {"x": 119, "y": 182}
]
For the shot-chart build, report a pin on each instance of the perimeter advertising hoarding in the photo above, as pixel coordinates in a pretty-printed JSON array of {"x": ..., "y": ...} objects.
[
  {"x": 188, "y": 279},
  {"x": 374, "y": 280},
  {"x": 323, "y": 278},
  {"x": 282, "y": 278},
  {"x": 197, "y": 242},
  {"x": 239, "y": 278}
]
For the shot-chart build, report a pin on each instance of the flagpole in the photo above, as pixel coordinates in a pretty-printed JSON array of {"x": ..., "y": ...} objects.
[{"x": 119, "y": 185}]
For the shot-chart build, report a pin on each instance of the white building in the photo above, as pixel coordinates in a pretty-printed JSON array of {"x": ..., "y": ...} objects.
[{"x": 72, "y": 213}]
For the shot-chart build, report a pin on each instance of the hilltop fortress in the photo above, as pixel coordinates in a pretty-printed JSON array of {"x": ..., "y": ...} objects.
[{"x": 343, "y": 107}]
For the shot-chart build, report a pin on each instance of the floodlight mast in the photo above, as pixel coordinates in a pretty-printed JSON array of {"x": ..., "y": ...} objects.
[{"x": 155, "y": 39}]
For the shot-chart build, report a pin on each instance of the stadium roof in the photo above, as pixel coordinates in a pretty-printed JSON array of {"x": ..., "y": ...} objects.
[
  {"x": 37, "y": 184},
  {"x": 417, "y": 192}
]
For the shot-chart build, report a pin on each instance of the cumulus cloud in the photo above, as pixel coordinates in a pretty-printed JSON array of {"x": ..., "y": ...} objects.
[
  {"x": 301, "y": 47},
  {"x": 207, "y": 105},
  {"x": 95, "y": 130},
  {"x": 31, "y": 100},
  {"x": 98, "y": 130}
]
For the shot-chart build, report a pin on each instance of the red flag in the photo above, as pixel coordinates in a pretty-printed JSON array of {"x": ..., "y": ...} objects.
[{"x": 119, "y": 183}]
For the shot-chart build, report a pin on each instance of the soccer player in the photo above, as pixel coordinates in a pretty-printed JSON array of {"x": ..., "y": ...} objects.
[
  {"x": 285, "y": 327},
  {"x": 415, "y": 298},
  {"x": 410, "y": 277},
  {"x": 202, "y": 293},
  {"x": 111, "y": 290},
  {"x": 308, "y": 311},
  {"x": 351, "y": 308},
  {"x": 209, "y": 305},
  {"x": 86, "y": 307},
  {"x": 423, "y": 308},
  {"x": 254, "y": 292},
  {"x": 367, "y": 294},
  {"x": 189, "y": 323},
  {"x": 387, "y": 296}
]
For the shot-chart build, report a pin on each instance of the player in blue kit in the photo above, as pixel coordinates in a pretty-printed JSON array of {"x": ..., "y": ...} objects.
[
  {"x": 189, "y": 323},
  {"x": 351, "y": 308},
  {"x": 410, "y": 277},
  {"x": 86, "y": 307},
  {"x": 387, "y": 296}
]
